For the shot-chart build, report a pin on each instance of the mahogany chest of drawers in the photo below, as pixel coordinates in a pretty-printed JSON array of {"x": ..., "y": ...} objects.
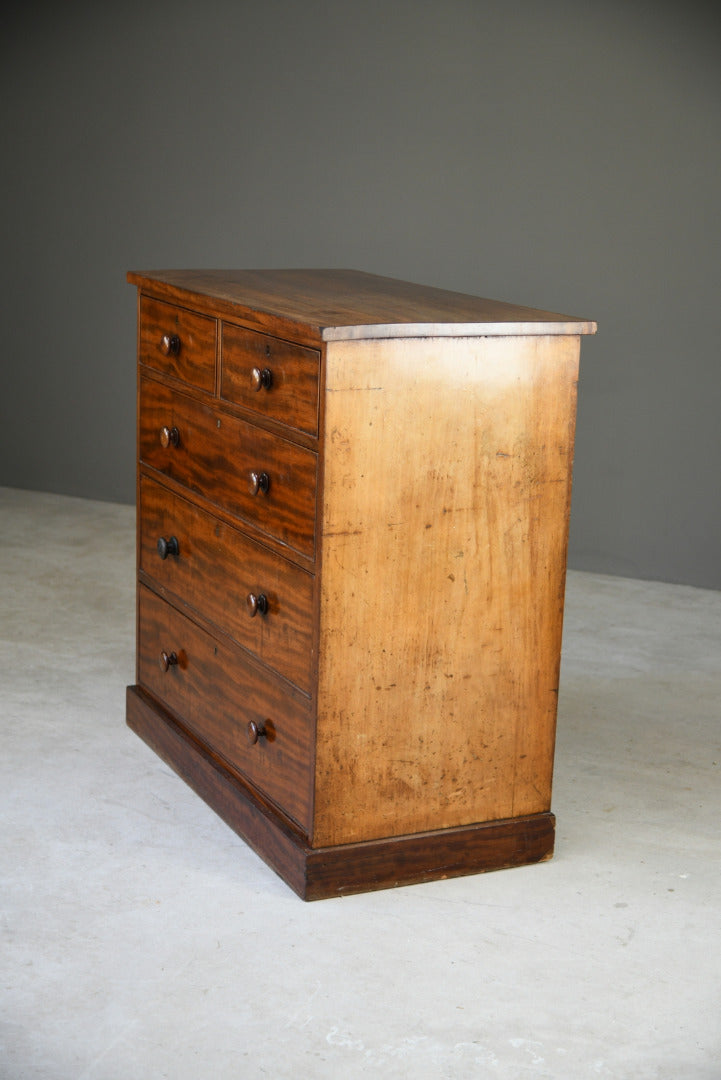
[{"x": 353, "y": 500}]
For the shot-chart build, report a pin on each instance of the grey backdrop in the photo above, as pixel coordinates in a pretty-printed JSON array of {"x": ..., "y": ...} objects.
[{"x": 559, "y": 154}]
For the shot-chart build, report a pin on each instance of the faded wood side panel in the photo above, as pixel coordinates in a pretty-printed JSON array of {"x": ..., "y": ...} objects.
[{"x": 445, "y": 517}]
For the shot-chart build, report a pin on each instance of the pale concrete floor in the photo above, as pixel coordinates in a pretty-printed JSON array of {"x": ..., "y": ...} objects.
[{"x": 142, "y": 939}]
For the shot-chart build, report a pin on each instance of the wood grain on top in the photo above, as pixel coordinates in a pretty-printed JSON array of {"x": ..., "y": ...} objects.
[{"x": 346, "y": 304}]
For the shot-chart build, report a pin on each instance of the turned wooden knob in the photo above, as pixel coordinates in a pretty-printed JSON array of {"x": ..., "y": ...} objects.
[
  {"x": 167, "y": 660},
  {"x": 168, "y": 547},
  {"x": 170, "y": 344},
  {"x": 256, "y": 604},
  {"x": 258, "y": 482},
  {"x": 256, "y": 731},
  {"x": 261, "y": 378},
  {"x": 169, "y": 436}
]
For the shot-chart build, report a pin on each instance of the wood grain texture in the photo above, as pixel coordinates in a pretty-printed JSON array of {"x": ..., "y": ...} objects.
[
  {"x": 319, "y": 304},
  {"x": 292, "y": 397},
  {"x": 278, "y": 841},
  {"x": 194, "y": 361},
  {"x": 215, "y": 570},
  {"x": 216, "y": 454},
  {"x": 215, "y": 693},
  {"x": 341, "y": 871},
  {"x": 406, "y": 528},
  {"x": 447, "y": 488},
  {"x": 433, "y": 856}
]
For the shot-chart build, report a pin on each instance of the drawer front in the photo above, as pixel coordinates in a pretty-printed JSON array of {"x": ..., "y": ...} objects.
[
  {"x": 226, "y": 460},
  {"x": 273, "y": 377},
  {"x": 217, "y": 694},
  {"x": 178, "y": 343},
  {"x": 218, "y": 570}
]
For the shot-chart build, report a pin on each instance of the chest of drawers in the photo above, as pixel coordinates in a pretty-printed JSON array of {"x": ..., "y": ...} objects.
[{"x": 353, "y": 500}]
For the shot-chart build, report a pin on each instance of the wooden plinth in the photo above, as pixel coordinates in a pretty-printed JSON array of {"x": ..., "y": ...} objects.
[{"x": 318, "y": 873}]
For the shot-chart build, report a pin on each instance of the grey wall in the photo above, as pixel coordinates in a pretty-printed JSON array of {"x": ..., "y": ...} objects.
[{"x": 559, "y": 154}]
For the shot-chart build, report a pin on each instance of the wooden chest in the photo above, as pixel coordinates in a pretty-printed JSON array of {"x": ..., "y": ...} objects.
[{"x": 353, "y": 501}]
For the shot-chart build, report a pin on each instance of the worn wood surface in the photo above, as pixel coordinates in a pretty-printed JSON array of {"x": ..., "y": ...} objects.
[
  {"x": 406, "y": 528},
  {"x": 217, "y": 567},
  {"x": 316, "y": 305},
  {"x": 445, "y": 516},
  {"x": 215, "y": 692},
  {"x": 193, "y": 358},
  {"x": 215, "y": 456},
  {"x": 292, "y": 396},
  {"x": 446, "y": 853},
  {"x": 278, "y": 841},
  {"x": 337, "y": 871}
]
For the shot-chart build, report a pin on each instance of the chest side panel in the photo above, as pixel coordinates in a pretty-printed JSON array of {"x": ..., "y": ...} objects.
[{"x": 447, "y": 470}]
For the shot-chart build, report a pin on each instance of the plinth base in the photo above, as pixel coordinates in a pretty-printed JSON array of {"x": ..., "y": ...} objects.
[{"x": 318, "y": 873}]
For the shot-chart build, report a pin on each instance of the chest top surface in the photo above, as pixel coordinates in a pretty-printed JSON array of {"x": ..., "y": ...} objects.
[{"x": 336, "y": 305}]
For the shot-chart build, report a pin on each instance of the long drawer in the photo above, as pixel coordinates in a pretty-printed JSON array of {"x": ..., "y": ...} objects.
[
  {"x": 261, "y": 600},
  {"x": 246, "y": 717},
  {"x": 267, "y": 481}
]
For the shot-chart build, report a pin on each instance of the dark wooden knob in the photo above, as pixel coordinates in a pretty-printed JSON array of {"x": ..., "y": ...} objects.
[
  {"x": 170, "y": 344},
  {"x": 167, "y": 660},
  {"x": 261, "y": 378},
  {"x": 258, "y": 482},
  {"x": 169, "y": 436},
  {"x": 256, "y": 731},
  {"x": 256, "y": 604},
  {"x": 168, "y": 547}
]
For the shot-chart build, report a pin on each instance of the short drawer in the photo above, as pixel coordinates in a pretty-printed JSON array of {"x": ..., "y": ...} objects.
[
  {"x": 242, "y": 715},
  {"x": 265, "y": 480},
  {"x": 261, "y": 600},
  {"x": 178, "y": 343},
  {"x": 274, "y": 378}
]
